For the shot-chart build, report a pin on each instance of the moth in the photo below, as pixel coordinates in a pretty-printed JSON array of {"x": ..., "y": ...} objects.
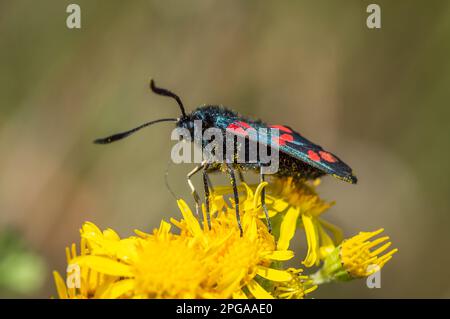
[{"x": 299, "y": 158}]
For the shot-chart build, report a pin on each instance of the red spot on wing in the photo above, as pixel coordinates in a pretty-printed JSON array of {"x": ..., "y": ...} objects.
[
  {"x": 327, "y": 157},
  {"x": 282, "y": 139},
  {"x": 239, "y": 128},
  {"x": 282, "y": 128},
  {"x": 286, "y": 138},
  {"x": 243, "y": 124},
  {"x": 313, "y": 156}
]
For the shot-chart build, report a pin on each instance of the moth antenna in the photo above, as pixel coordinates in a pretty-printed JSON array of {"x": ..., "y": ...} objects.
[
  {"x": 119, "y": 136},
  {"x": 165, "y": 92}
]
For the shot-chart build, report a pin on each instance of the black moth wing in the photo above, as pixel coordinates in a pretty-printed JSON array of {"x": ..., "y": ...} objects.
[{"x": 291, "y": 143}]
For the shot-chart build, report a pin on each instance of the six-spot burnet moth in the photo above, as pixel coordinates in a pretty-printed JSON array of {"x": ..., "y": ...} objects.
[{"x": 299, "y": 158}]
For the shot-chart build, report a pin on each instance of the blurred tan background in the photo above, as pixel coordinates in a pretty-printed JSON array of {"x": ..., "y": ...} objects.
[{"x": 377, "y": 98}]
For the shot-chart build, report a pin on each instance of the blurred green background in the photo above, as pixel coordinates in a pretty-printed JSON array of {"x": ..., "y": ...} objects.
[{"x": 377, "y": 98}]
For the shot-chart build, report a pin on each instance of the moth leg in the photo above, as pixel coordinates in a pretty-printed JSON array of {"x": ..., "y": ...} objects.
[
  {"x": 208, "y": 180},
  {"x": 191, "y": 185},
  {"x": 206, "y": 185},
  {"x": 263, "y": 200},
  {"x": 230, "y": 171},
  {"x": 241, "y": 176}
]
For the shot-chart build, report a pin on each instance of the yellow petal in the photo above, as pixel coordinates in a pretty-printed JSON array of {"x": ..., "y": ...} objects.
[
  {"x": 326, "y": 243},
  {"x": 89, "y": 227},
  {"x": 280, "y": 255},
  {"x": 248, "y": 190},
  {"x": 381, "y": 249},
  {"x": 126, "y": 249},
  {"x": 68, "y": 255},
  {"x": 176, "y": 223},
  {"x": 204, "y": 217},
  {"x": 142, "y": 234},
  {"x": 103, "y": 265},
  {"x": 249, "y": 226},
  {"x": 118, "y": 289},
  {"x": 279, "y": 205},
  {"x": 164, "y": 227},
  {"x": 273, "y": 274},
  {"x": 60, "y": 285},
  {"x": 257, "y": 197},
  {"x": 83, "y": 246},
  {"x": 74, "y": 250},
  {"x": 257, "y": 291},
  {"x": 287, "y": 228},
  {"x": 111, "y": 234},
  {"x": 271, "y": 213},
  {"x": 94, "y": 284},
  {"x": 191, "y": 221},
  {"x": 311, "y": 237}
]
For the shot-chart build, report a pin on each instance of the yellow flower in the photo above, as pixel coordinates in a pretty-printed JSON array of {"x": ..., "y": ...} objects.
[
  {"x": 196, "y": 263},
  {"x": 201, "y": 261},
  {"x": 236, "y": 259},
  {"x": 297, "y": 288},
  {"x": 291, "y": 205},
  {"x": 299, "y": 203},
  {"x": 169, "y": 269},
  {"x": 82, "y": 283},
  {"x": 356, "y": 257}
]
